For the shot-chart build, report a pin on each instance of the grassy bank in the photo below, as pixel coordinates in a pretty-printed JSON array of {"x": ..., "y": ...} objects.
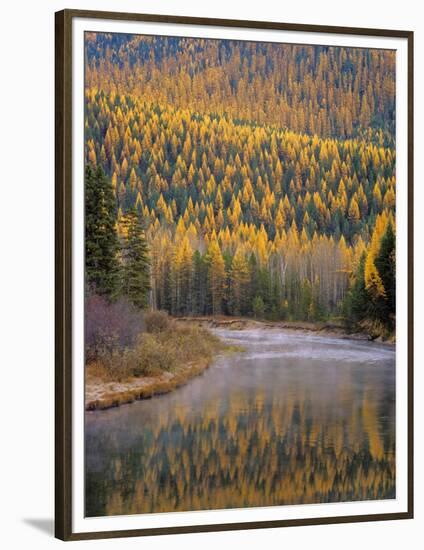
[
  {"x": 165, "y": 356},
  {"x": 336, "y": 328}
]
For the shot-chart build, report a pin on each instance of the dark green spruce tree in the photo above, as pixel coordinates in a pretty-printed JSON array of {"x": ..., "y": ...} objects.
[
  {"x": 385, "y": 263},
  {"x": 135, "y": 280},
  {"x": 101, "y": 241},
  {"x": 357, "y": 302}
]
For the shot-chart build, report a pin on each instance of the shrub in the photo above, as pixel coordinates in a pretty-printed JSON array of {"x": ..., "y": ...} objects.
[
  {"x": 153, "y": 356},
  {"x": 110, "y": 325},
  {"x": 118, "y": 364},
  {"x": 157, "y": 321},
  {"x": 190, "y": 343},
  {"x": 165, "y": 347}
]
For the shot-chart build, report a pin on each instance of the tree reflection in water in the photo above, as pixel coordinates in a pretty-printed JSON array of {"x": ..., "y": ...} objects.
[{"x": 281, "y": 437}]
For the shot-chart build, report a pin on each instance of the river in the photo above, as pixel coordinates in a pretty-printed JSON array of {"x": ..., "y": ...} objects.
[{"x": 297, "y": 418}]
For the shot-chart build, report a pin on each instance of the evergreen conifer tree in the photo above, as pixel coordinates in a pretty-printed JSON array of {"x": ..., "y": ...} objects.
[
  {"x": 357, "y": 301},
  {"x": 385, "y": 263},
  {"x": 135, "y": 280},
  {"x": 101, "y": 241}
]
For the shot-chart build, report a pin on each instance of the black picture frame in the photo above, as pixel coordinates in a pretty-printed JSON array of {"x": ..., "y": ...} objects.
[{"x": 63, "y": 287}]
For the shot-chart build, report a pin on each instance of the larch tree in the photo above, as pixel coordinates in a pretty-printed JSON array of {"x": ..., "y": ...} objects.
[
  {"x": 183, "y": 275},
  {"x": 239, "y": 282},
  {"x": 216, "y": 277}
]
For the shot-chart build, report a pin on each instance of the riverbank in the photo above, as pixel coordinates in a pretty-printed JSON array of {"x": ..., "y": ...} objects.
[
  {"x": 165, "y": 356},
  {"x": 103, "y": 394},
  {"x": 332, "y": 329}
]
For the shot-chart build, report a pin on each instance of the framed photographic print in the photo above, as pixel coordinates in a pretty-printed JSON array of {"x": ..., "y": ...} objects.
[{"x": 233, "y": 274}]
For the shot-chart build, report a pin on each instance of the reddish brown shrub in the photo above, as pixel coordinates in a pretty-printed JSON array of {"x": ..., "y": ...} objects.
[{"x": 110, "y": 326}]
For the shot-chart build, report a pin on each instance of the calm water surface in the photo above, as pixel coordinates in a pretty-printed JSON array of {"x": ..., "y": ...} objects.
[{"x": 295, "y": 419}]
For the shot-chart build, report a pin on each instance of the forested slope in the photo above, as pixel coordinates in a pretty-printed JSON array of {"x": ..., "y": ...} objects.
[{"x": 262, "y": 173}]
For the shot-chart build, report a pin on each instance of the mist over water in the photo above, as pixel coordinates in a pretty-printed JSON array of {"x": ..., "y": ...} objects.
[{"x": 297, "y": 418}]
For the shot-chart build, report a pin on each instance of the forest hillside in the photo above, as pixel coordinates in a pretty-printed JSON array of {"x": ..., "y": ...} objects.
[{"x": 262, "y": 175}]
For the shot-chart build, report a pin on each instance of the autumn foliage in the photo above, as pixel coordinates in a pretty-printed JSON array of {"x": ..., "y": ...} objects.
[{"x": 263, "y": 172}]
